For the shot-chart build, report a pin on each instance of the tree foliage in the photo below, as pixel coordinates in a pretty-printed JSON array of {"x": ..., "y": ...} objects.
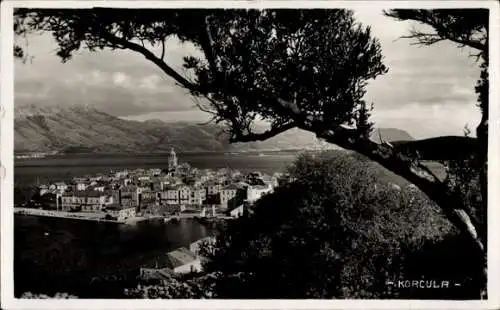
[
  {"x": 337, "y": 232},
  {"x": 319, "y": 59},
  {"x": 467, "y": 28}
]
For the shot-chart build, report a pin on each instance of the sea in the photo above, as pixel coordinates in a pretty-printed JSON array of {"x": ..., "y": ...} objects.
[
  {"x": 79, "y": 257},
  {"x": 30, "y": 171}
]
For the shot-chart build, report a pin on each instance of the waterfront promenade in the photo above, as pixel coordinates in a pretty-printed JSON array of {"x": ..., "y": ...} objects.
[
  {"x": 86, "y": 216},
  {"x": 99, "y": 217}
]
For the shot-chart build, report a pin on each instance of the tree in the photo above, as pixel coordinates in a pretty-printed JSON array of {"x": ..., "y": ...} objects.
[
  {"x": 304, "y": 69},
  {"x": 338, "y": 231},
  {"x": 467, "y": 28}
]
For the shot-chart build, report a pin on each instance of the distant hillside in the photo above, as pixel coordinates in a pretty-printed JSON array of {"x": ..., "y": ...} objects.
[
  {"x": 79, "y": 129},
  {"x": 390, "y": 135}
]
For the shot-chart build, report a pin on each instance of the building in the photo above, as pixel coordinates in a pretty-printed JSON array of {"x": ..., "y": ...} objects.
[
  {"x": 230, "y": 197},
  {"x": 91, "y": 201},
  {"x": 61, "y": 187},
  {"x": 184, "y": 194},
  {"x": 197, "y": 196},
  {"x": 100, "y": 188},
  {"x": 128, "y": 194},
  {"x": 95, "y": 201},
  {"x": 155, "y": 172},
  {"x": 238, "y": 211},
  {"x": 213, "y": 189},
  {"x": 183, "y": 260},
  {"x": 110, "y": 199},
  {"x": 121, "y": 213},
  {"x": 148, "y": 197},
  {"x": 170, "y": 195},
  {"x": 255, "y": 192},
  {"x": 81, "y": 186},
  {"x": 212, "y": 193},
  {"x": 172, "y": 161},
  {"x": 71, "y": 200},
  {"x": 43, "y": 189}
]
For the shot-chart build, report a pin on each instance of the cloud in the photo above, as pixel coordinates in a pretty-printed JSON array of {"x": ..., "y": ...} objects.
[
  {"x": 436, "y": 80},
  {"x": 121, "y": 79},
  {"x": 150, "y": 82},
  {"x": 424, "y": 121}
]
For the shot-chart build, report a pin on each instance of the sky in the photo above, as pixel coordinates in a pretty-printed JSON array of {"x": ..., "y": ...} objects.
[{"x": 428, "y": 91}]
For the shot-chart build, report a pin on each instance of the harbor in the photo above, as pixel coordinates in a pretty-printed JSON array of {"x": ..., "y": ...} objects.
[{"x": 101, "y": 217}]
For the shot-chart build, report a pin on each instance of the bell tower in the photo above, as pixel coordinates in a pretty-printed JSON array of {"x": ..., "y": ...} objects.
[{"x": 172, "y": 161}]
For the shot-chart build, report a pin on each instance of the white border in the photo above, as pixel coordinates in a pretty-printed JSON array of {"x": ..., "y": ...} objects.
[{"x": 6, "y": 143}]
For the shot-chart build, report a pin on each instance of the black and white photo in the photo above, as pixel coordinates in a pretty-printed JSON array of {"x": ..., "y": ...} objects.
[{"x": 257, "y": 152}]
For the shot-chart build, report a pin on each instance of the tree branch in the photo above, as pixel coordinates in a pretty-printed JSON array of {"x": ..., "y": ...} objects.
[
  {"x": 416, "y": 173},
  {"x": 206, "y": 42},
  {"x": 471, "y": 43},
  {"x": 162, "y": 49},
  {"x": 443, "y": 32},
  {"x": 151, "y": 57},
  {"x": 264, "y": 135}
]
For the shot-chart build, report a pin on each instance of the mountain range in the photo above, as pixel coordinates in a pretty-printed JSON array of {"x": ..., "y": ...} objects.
[{"x": 82, "y": 129}]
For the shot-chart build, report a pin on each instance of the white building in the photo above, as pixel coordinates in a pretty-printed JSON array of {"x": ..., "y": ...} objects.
[
  {"x": 44, "y": 189},
  {"x": 238, "y": 211},
  {"x": 255, "y": 192},
  {"x": 100, "y": 188},
  {"x": 81, "y": 186},
  {"x": 121, "y": 213},
  {"x": 61, "y": 187}
]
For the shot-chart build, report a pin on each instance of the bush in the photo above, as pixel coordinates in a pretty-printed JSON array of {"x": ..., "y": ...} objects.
[{"x": 336, "y": 231}]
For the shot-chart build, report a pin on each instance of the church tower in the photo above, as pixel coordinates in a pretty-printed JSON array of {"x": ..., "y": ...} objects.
[{"x": 172, "y": 160}]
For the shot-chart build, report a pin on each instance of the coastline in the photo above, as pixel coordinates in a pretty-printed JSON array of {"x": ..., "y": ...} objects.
[
  {"x": 97, "y": 217},
  {"x": 85, "y": 216}
]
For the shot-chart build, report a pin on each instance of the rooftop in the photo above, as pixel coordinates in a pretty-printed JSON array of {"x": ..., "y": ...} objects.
[
  {"x": 261, "y": 187},
  {"x": 130, "y": 188},
  {"x": 84, "y": 194}
]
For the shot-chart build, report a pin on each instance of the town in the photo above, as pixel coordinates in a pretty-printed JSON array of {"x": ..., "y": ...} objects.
[{"x": 175, "y": 191}]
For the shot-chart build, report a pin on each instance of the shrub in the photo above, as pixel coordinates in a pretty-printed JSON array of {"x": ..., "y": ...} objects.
[{"x": 336, "y": 231}]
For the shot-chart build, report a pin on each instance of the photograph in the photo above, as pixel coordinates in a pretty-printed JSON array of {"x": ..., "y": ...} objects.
[{"x": 248, "y": 152}]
